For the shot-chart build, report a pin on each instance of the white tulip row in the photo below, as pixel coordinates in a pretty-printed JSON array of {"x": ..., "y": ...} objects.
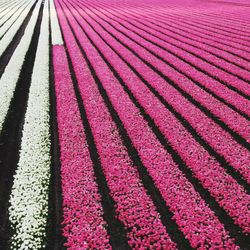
[
  {"x": 11, "y": 15},
  {"x": 4, "y": 3},
  {"x": 11, "y": 74},
  {"x": 18, "y": 13},
  {"x": 8, "y": 37},
  {"x": 5, "y": 9},
  {"x": 29, "y": 197},
  {"x": 55, "y": 28}
]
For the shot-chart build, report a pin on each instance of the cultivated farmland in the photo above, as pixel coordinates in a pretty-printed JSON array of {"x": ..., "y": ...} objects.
[{"x": 124, "y": 124}]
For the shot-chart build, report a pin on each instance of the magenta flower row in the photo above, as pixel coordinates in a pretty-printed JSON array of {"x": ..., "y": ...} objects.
[{"x": 193, "y": 55}]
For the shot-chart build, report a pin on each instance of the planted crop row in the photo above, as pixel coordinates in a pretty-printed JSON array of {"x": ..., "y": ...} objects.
[
  {"x": 124, "y": 124},
  {"x": 134, "y": 207},
  {"x": 189, "y": 71},
  {"x": 166, "y": 122},
  {"x": 203, "y": 30},
  {"x": 131, "y": 122},
  {"x": 11, "y": 74},
  {"x": 196, "y": 58},
  {"x": 216, "y": 107},
  {"x": 10, "y": 12},
  {"x": 222, "y": 139},
  {"x": 56, "y": 35},
  {"x": 168, "y": 39},
  {"x": 7, "y": 37},
  {"x": 144, "y": 73},
  {"x": 29, "y": 197},
  {"x": 186, "y": 41},
  {"x": 165, "y": 23},
  {"x": 81, "y": 199}
]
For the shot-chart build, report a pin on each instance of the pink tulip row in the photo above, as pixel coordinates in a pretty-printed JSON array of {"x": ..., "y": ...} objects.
[
  {"x": 220, "y": 139},
  {"x": 219, "y": 182},
  {"x": 206, "y": 32},
  {"x": 170, "y": 39},
  {"x": 95, "y": 34},
  {"x": 216, "y": 87},
  {"x": 184, "y": 36},
  {"x": 134, "y": 207},
  {"x": 188, "y": 43},
  {"x": 224, "y": 77},
  {"x": 190, "y": 212},
  {"x": 164, "y": 22},
  {"x": 237, "y": 14},
  {"x": 183, "y": 15},
  {"x": 203, "y": 17},
  {"x": 142, "y": 21},
  {"x": 210, "y": 28},
  {"x": 84, "y": 226},
  {"x": 231, "y": 118}
]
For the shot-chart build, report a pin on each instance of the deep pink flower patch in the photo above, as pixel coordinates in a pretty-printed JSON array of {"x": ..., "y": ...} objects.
[
  {"x": 134, "y": 207},
  {"x": 178, "y": 193},
  {"x": 165, "y": 84},
  {"x": 84, "y": 227},
  {"x": 212, "y": 176},
  {"x": 236, "y": 155}
]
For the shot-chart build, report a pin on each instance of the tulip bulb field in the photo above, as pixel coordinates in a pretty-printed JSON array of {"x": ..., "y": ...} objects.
[{"x": 124, "y": 124}]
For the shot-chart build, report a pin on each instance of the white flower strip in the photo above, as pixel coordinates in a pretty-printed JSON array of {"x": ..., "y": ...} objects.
[
  {"x": 13, "y": 19},
  {"x": 6, "y": 14},
  {"x": 11, "y": 11},
  {"x": 55, "y": 28},
  {"x": 8, "y": 37},
  {"x": 11, "y": 74},
  {"x": 4, "y": 4},
  {"x": 29, "y": 197},
  {"x": 5, "y": 9}
]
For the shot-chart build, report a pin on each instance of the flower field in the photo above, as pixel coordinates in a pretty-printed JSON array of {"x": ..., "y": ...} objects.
[{"x": 124, "y": 124}]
